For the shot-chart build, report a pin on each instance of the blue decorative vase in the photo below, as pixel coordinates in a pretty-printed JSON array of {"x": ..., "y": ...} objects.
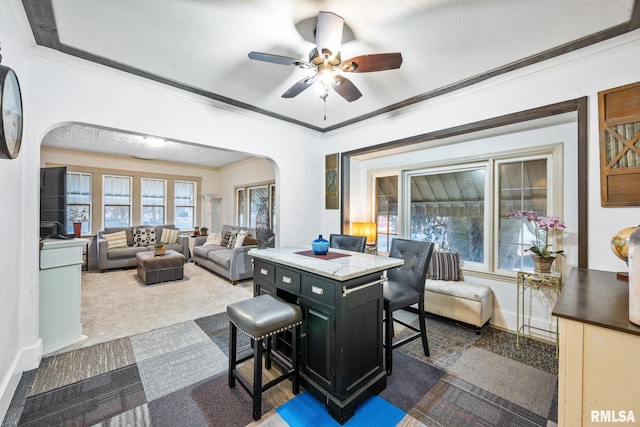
[{"x": 320, "y": 246}]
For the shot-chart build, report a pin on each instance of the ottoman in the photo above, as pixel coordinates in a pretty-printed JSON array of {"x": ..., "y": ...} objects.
[{"x": 161, "y": 268}]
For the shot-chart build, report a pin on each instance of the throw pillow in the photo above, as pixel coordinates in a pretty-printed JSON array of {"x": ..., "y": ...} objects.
[
  {"x": 444, "y": 266},
  {"x": 116, "y": 240},
  {"x": 225, "y": 239},
  {"x": 143, "y": 236},
  {"x": 242, "y": 234},
  {"x": 233, "y": 236},
  {"x": 213, "y": 239},
  {"x": 249, "y": 241},
  {"x": 169, "y": 236}
]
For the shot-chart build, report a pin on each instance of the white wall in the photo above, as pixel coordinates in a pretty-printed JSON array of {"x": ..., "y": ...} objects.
[
  {"x": 59, "y": 89},
  {"x": 582, "y": 73}
]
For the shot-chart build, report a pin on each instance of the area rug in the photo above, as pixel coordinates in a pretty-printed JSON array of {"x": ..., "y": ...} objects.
[
  {"x": 117, "y": 304},
  {"x": 178, "y": 376}
]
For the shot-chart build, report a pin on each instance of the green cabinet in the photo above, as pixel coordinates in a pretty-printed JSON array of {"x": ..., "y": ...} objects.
[{"x": 341, "y": 361}]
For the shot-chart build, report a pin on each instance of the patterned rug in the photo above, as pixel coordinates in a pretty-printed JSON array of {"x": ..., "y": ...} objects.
[{"x": 177, "y": 376}]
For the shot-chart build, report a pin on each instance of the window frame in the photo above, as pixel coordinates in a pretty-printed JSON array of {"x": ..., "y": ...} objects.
[
  {"x": 86, "y": 225},
  {"x": 193, "y": 206},
  {"x": 487, "y": 166},
  {"x": 552, "y": 152},
  {"x": 105, "y": 204},
  {"x": 164, "y": 199}
]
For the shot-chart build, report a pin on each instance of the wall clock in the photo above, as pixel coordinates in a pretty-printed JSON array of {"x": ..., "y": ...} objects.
[{"x": 11, "y": 114}]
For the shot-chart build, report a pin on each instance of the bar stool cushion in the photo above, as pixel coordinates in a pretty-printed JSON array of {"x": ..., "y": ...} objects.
[{"x": 263, "y": 316}]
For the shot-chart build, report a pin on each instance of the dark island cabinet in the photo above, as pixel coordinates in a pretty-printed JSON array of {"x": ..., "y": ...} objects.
[{"x": 341, "y": 360}]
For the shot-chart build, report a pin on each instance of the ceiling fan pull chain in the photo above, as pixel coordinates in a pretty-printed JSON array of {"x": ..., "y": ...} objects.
[{"x": 325, "y": 108}]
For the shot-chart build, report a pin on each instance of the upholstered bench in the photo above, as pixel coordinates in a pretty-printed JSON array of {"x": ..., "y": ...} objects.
[
  {"x": 447, "y": 295},
  {"x": 461, "y": 301},
  {"x": 154, "y": 268}
]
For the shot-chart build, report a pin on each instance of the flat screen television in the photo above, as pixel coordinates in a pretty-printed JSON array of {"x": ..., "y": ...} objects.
[{"x": 53, "y": 203}]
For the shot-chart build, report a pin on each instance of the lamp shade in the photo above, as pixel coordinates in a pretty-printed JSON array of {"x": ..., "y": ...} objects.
[{"x": 365, "y": 229}]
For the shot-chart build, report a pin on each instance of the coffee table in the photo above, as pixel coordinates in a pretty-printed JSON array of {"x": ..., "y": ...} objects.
[{"x": 154, "y": 268}]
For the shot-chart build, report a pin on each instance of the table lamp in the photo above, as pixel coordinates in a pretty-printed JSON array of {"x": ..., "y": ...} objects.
[{"x": 369, "y": 230}]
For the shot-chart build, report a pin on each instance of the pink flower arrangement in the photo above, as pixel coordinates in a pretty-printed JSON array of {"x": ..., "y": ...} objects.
[{"x": 544, "y": 223}]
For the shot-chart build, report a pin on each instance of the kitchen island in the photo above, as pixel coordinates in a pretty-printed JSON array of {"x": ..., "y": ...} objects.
[{"x": 340, "y": 294}]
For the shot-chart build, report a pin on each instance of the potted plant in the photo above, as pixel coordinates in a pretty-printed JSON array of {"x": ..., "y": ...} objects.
[
  {"x": 543, "y": 226},
  {"x": 203, "y": 231},
  {"x": 159, "y": 247}
]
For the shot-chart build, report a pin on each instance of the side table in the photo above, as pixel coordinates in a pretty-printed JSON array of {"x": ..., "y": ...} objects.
[{"x": 528, "y": 280}]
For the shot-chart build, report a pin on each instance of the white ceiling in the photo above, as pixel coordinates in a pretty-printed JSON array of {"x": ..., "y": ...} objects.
[{"x": 202, "y": 45}]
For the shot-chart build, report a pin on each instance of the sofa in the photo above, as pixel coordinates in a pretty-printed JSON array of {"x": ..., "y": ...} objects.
[
  {"x": 446, "y": 293},
  {"x": 214, "y": 253},
  {"x": 116, "y": 252}
]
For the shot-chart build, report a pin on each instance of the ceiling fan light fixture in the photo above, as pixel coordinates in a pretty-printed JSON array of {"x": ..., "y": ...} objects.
[{"x": 329, "y": 34}]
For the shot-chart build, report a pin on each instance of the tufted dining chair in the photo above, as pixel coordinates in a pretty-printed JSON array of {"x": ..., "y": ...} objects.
[
  {"x": 347, "y": 242},
  {"x": 404, "y": 288}
]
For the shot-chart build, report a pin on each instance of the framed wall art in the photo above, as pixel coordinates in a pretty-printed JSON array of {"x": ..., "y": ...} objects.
[{"x": 332, "y": 181}]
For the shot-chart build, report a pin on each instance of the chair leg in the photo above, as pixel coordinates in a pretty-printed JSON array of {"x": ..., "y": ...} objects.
[
  {"x": 295, "y": 388},
  {"x": 232, "y": 353},
  {"x": 388, "y": 342},
  {"x": 423, "y": 328},
  {"x": 257, "y": 380},
  {"x": 267, "y": 354}
]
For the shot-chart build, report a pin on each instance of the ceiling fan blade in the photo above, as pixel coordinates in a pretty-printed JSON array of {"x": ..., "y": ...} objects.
[
  {"x": 346, "y": 88},
  {"x": 278, "y": 59},
  {"x": 375, "y": 62},
  {"x": 329, "y": 34},
  {"x": 300, "y": 86}
]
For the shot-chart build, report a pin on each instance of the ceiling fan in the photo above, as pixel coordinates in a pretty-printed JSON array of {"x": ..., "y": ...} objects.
[{"x": 325, "y": 59}]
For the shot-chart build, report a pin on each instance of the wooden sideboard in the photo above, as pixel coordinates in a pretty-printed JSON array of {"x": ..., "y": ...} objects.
[{"x": 599, "y": 366}]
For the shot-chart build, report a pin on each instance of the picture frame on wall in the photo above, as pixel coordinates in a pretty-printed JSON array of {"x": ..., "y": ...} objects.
[{"x": 332, "y": 181}]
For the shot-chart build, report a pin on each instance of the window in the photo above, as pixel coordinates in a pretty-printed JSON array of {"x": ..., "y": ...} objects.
[
  {"x": 117, "y": 200},
  {"x": 79, "y": 201},
  {"x": 448, "y": 208},
  {"x": 454, "y": 207},
  {"x": 153, "y": 201},
  {"x": 184, "y": 204},
  {"x": 249, "y": 200},
  {"x": 522, "y": 185},
  {"x": 256, "y": 197},
  {"x": 386, "y": 211}
]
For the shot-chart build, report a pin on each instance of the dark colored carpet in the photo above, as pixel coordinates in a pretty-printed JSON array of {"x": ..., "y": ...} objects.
[{"x": 439, "y": 390}]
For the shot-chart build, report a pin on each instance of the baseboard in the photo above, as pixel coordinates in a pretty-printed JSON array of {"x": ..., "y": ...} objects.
[{"x": 26, "y": 359}]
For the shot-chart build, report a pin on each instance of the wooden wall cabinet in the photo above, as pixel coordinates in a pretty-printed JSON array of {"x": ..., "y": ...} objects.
[{"x": 619, "y": 119}]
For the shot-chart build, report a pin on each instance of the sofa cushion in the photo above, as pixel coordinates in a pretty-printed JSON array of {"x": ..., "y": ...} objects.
[
  {"x": 116, "y": 240},
  {"x": 127, "y": 230},
  {"x": 225, "y": 238},
  {"x": 126, "y": 252},
  {"x": 233, "y": 237},
  {"x": 242, "y": 234},
  {"x": 249, "y": 241},
  {"x": 213, "y": 239},
  {"x": 169, "y": 235},
  {"x": 143, "y": 236},
  {"x": 221, "y": 257},
  {"x": 444, "y": 266},
  {"x": 459, "y": 289}
]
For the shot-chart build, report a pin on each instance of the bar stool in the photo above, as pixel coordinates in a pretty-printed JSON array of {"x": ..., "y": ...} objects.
[{"x": 260, "y": 318}]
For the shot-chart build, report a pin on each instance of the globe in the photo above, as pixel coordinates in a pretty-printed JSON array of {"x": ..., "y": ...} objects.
[{"x": 620, "y": 242}]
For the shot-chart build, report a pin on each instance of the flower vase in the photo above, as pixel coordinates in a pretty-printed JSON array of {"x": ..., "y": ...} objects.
[
  {"x": 542, "y": 264},
  {"x": 160, "y": 251},
  {"x": 320, "y": 246},
  {"x": 77, "y": 227},
  {"x": 264, "y": 233}
]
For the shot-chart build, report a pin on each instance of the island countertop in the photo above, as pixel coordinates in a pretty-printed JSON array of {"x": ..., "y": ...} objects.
[{"x": 355, "y": 264}]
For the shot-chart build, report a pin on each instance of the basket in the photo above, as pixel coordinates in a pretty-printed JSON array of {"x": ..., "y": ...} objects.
[{"x": 542, "y": 264}]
